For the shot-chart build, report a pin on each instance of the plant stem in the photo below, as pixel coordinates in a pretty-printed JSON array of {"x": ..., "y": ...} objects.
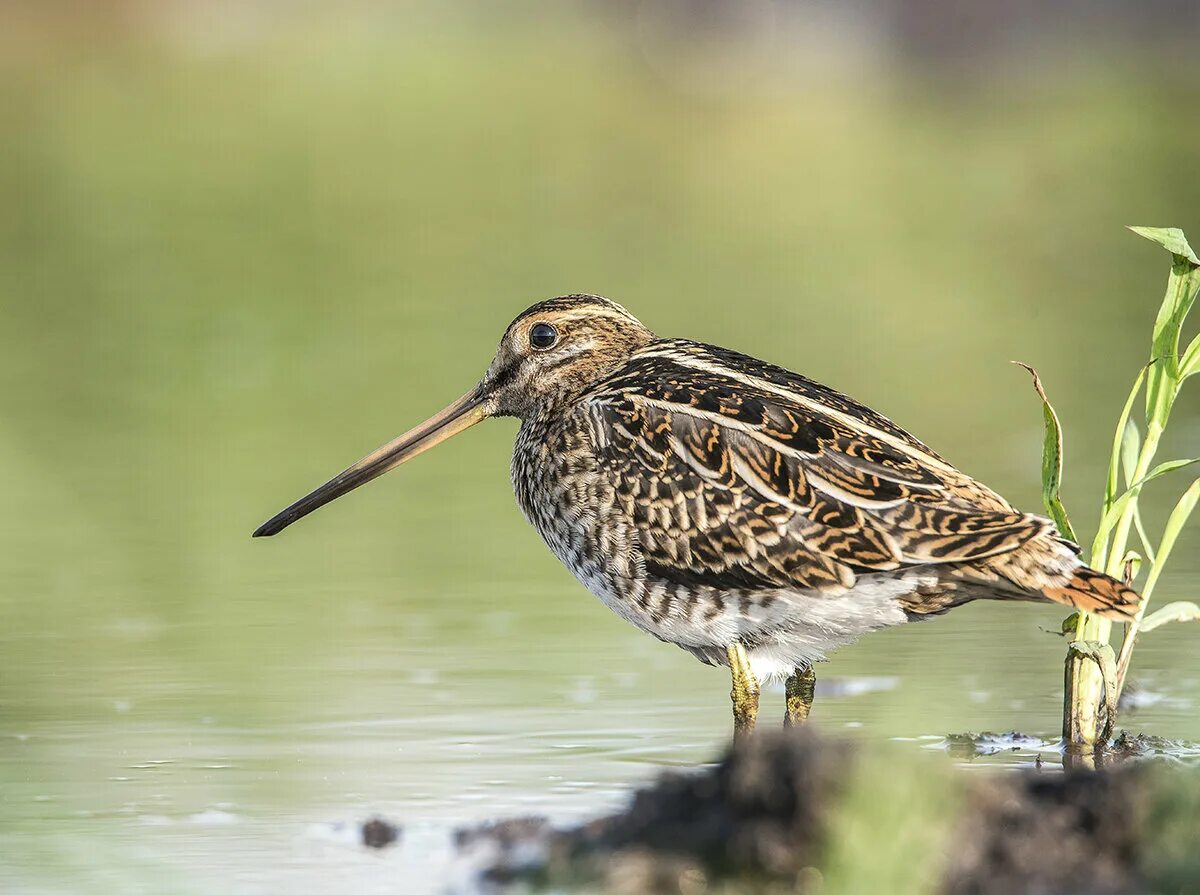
[
  {"x": 1084, "y": 679},
  {"x": 1131, "y": 633},
  {"x": 1085, "y": 686}
]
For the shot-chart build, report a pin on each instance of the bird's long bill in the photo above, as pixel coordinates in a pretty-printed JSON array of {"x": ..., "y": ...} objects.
[{"x": 458, "y": 417}]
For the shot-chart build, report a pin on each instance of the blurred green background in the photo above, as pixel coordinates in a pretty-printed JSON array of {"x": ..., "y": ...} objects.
[{"x": 243, "y": 244}]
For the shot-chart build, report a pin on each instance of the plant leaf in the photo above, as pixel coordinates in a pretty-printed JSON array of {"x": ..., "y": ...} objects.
[
  {"x": 1175, "y": 522},
  {"x": 1190, "y": 363},
  {"x": 1181, "y": 611},
  {"x": 1052, "y": 459},
  {"x": 1171, "y": 239},
  {"x": 1131, "y": 443},
  {"x": 1107, "y": 520},
  {"x": 1163, "y": 468},
  {"x": 1182, "y": 286},
  {"x": 1110, "y": 516},
  {"x": 1110, "y": 493},
  {"x": 1142, "y": 535}
]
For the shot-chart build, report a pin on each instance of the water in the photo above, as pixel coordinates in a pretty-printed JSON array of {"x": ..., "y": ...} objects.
[
  {"x": 219, "y": 752},
  {"x": 217, "y": 293}
]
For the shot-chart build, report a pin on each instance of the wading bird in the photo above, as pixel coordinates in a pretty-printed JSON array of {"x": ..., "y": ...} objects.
[{"x": 745, "y": 513}]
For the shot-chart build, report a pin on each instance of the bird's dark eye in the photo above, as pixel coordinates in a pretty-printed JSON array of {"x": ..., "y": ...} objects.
[{"x": 542, "y": 336}]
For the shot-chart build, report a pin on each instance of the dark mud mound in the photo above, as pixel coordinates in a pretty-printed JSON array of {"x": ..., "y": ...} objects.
[
  {"x": 797, "y": 813},
  {"x": 379, "y": 833},
  {"x": 1049, "y": 834},
  {"x": 518, "y": 850},
  {"x": 757, "y": 815},
  {"x": 760, "y": 810}
]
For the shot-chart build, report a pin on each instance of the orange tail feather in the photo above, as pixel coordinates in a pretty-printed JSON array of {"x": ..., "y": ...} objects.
[{"x": 1096, "y": 592}]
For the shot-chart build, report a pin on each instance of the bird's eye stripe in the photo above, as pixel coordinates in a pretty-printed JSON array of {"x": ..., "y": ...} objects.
[
  {"x": 505, "y": 376},
  {"x": 542, "y": 336}
]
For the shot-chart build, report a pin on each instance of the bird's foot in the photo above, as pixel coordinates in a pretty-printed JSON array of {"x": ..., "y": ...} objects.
[
  {"x": 745, "y": 691},
  {"x": 800, "y": 688}
]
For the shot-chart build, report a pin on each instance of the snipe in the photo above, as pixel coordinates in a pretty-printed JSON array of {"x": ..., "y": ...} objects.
[{"x": 745, "y": 513}]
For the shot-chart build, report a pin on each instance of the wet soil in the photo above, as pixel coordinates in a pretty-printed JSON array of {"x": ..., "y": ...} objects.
[{"x": 760, "y": 818}]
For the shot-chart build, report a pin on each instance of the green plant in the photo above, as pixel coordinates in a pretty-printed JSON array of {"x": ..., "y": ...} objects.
[{"x": 1095, "y": 675}]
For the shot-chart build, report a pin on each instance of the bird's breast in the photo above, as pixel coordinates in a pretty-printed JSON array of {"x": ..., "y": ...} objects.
[{"x": 572, "y": 503}]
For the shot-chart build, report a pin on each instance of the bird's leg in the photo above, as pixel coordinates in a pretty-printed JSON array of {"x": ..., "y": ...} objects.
[
  {"x": 800, "y": 689},
  {"x": 744, "y": 692}
]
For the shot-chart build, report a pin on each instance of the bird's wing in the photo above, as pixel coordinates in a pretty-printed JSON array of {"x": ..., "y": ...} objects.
[{"x": 740, "y": 474}]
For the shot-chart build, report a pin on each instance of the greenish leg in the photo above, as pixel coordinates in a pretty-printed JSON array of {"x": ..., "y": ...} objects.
[
  {"x": 745, "y": 690},
  {"x": 800, "y": 689}
]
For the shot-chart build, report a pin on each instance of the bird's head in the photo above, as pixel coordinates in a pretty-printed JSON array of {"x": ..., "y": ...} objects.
[
  {"x": 555, "y": 350},
  {"x": 547, "y": 357}
]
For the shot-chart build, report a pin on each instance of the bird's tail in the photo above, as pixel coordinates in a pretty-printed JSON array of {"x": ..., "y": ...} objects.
[
  {"x": 1048, "y": 567},
  {"x": 1095, "y": 592}
]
